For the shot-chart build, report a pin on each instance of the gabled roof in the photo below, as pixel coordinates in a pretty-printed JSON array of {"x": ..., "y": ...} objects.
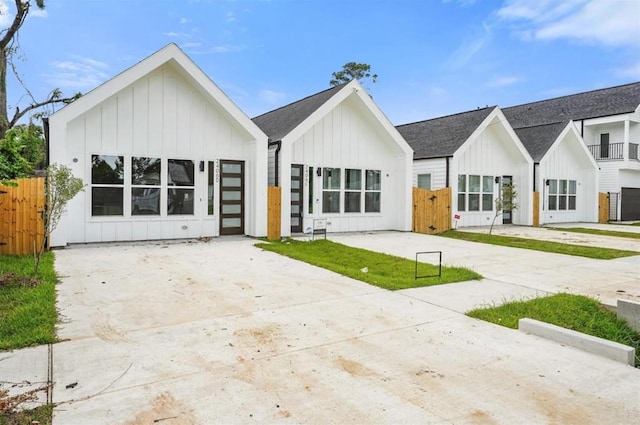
[
  {"x": 440, "y": 137},
  {"x": 593, "y": 104},
  {"x": 280, "y": 122},
  {"x": 539, "y": 139},
  {"x": 170, "y": 54}
]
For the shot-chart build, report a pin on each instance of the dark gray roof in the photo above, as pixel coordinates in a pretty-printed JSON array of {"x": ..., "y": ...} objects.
[
  {"x": 538, "y": 139},
  {"x": 278, "y": 123},
  {"x": 440, "y": 137},
  {"x": 593, "y": 104}
]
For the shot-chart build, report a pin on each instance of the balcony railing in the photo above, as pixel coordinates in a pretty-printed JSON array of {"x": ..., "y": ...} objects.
[
  {"x": 612, "y": 151},
  {"x": 634, "y": 151}
]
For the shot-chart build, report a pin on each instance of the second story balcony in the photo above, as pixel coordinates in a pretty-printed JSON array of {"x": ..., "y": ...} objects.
[{"x": 613, "y": 151}]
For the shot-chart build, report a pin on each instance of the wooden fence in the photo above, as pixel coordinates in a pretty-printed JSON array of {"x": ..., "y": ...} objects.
[
  {"x": 536, "y": 209},
  {"x": 21, "y": 221},
  {"x": 274, "y": 209},
  {"x": 431, "y": 210},
  {"x": 603, "y": 207}
]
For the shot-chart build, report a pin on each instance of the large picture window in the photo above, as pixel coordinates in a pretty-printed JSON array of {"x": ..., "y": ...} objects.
[
  {"x": 373, "y": 189},
  {"x": 562, "y": 195},
  {"x": 145, "y": 186},
  {"x": 107, "y": 185},
  {"x": 180, "y": 190},
  {"x": 331, "y": 190},
  {"x": 475, "y": 193},
  {"x": 352, "y": 190}
]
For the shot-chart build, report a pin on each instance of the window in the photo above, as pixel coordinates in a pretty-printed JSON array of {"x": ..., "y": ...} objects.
[
  {"x": 310, "y": 190},
  {"x": 211, "y": 181},
  {"x": 475, "y": 193},
  {"x": 487, "y": 193},
  {"x": 180, "y": 190},
  {"x": 352, "y": 190},
  {"x": 145, "y": 186},
  {"x": 424, "y": 181},
  {"x": 331, "y": 190},
  {"x": 373, "y": 187},
  {"x": 462, "y": 192},
  {"x": 107, "y": 185},
  {"x": 562, "y": 195}
]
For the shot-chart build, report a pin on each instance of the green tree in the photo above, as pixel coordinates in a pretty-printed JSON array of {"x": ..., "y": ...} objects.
[
  {"x": 9, "y": 48},
  {"x": 61, "y": 187},
  {"x": 352, "y": 71},
  {"x": 21, "y": 151},
  {"x": 505, "y": 202}
]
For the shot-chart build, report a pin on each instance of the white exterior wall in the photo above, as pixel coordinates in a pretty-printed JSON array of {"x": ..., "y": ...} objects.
[
  {"x": 494, "y": 151},
  {"x": 349, "y": 136},
  {"x": 437, "y": 167},
  {"x": 161, "y": 115},
  {"x": 568, "y": 160}
]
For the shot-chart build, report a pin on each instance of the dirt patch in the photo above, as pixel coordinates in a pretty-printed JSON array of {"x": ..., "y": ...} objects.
[
  {"x": 104, "y": 330},
  {"x": 262, "y": 338},
  {"x": 354, "y": 368},
  {"x": 12, "y": 280},
  {"x": 165, "y": 410}
]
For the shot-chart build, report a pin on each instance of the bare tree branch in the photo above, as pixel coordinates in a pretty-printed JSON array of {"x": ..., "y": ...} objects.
[
  {"x": 53, "y": 99},
  {"x": 22, "y": 9}
]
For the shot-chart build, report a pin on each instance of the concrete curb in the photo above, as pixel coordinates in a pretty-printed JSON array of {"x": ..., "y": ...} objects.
[
  {"x": 602, "y": 347},
  {"x": 630, "y": 311}
]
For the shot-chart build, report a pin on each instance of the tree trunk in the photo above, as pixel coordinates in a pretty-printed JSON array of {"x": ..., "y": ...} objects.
[{"x": 4, "y": 119}]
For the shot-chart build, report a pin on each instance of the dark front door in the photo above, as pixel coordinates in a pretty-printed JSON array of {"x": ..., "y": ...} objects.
[
  {"x": 296, "y": 198},
  {"x": 231, "y": 197},
  {"x": 630, "y": 204},
  {"x": 506, "y": 214}
]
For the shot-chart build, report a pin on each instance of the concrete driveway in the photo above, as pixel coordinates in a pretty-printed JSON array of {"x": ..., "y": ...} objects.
[{"x": 222, "y": 332}]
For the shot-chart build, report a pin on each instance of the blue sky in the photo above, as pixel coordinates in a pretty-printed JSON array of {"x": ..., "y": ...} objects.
[{"x": 433, "y": 57}]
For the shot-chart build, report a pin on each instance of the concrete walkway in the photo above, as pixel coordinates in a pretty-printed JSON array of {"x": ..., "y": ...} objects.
[{"x": 223, "y": 332}]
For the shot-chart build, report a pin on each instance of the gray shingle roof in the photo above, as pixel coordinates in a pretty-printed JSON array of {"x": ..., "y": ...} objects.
[
  {"x": 593, "y": 104},
  {"x": 538, "y": 139},
  {"x": 278, "y": 123},
  {"x": 440, "y": 137}
]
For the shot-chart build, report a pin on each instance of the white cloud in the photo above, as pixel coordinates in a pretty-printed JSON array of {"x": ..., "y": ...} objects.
[
  {"x": 184, "y": 21},
  {"x": 605, "y": 22},
  {"x": 231, "y": 17},
  {"x": 470, "y": 47},
  {"x": 271, "y": 97},
  {"x": 5, "y": 17},
  {"x": 503, "y": 81},
  {"x": 632, "y": 71},
  {"x": 79, "y": 74}
]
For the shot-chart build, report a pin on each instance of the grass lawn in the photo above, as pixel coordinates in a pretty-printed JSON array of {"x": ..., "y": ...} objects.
[
  {"x": 383, "y": 270},
  {"x": 27, "y": 303},
  {"x": 576, "y": 312},
  {"x": 42, "y": 415},
  {"x": 597, "y": 232},
  {"x": 539, "y": 245}
]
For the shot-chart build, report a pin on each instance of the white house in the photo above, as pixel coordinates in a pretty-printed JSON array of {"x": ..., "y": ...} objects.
[
  {"x": 475, "y": 153},
  {"x": 337, "y": 158},
  {"x": 608, "y": 120},
  {"x": 164, "y": 154},
  {"x": 565, "y": 173}
]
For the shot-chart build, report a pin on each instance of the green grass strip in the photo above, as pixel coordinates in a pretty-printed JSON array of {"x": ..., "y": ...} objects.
[
  {"x": 383, "y": 270},
  {"x": 575, "y": 312},
  {"x": 540, "y": 245},
  {"x": 599, "y": 232},
  {"x": 27, "y": 313}
]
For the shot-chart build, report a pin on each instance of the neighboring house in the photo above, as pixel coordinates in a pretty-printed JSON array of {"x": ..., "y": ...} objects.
[
  {"x": 608, "y": 120},
  {"x": 164, "y": 154},
  {"x": 475, "y": 153},
  {"x": 565, "y": 174},
  {"x": 337, "y": 158}
]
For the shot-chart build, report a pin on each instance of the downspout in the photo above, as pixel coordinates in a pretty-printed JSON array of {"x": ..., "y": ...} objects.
[
  {"x": 534, "y": 175},
  {"x": 278, "y": 145},
  {"x": 446, "y": 184},
  {"x": 45, "y": 127}
]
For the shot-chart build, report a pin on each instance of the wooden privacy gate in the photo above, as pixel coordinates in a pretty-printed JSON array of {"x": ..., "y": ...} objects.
[
  {"x": 603, "y": 207},
  {"x": 21, "y": 221},
  {"x": 431, "y": 210},
  {"x": 274, "y": 209}
]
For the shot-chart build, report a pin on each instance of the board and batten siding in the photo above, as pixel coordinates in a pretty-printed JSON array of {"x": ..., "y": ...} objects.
[
  {"x": 346, "y": 138},
  {"x": 437, "y": 167},
  {"x": 161, "y": 115},
  {"x": 493, "y": 153},
  {"x": 566, "y": 160}
]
